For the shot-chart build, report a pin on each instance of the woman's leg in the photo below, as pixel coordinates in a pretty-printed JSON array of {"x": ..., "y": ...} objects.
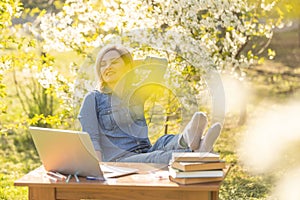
[
  {"x": 193, "y": 130},
  {"x": 160, "y": 152},
  {"x": 158, "y": 156},
  {"x": 166, "y": 143},
  {"x": 188, "y": 139}
]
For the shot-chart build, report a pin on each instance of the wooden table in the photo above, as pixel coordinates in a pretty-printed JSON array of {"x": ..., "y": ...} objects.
[{"x": 145, "y": 185}]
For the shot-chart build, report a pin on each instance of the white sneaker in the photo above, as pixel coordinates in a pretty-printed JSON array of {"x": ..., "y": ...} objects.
[
  {"x": 207, "y": 143},
  {"x": 193, "y": 131}
]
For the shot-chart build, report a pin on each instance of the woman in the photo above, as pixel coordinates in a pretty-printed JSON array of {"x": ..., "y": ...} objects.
[{"x": 117, "y": 125}]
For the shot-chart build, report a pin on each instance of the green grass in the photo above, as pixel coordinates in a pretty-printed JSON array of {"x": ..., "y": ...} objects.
[
  {"x": 10, "y": 171},
  {"x": 18, "y": 157}
]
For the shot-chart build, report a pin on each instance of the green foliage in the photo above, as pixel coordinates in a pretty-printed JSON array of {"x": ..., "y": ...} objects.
[
  {"x": 287, "y": 9},
  {"x": 8, "y": 10},
  {"x": 17, "y": 157}
]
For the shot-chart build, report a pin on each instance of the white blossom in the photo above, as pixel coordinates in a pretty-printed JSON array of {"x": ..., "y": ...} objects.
[
  {"x": 187, "y": 33},
  {"x": 4, "y": 66}
]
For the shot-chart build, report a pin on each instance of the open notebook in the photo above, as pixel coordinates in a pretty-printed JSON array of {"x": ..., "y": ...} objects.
[{"x": 72, "y": 152}]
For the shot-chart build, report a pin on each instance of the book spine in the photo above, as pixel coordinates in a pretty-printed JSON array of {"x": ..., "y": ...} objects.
[
  {"x": 196, "y": 174},
  {"x": 187, "y": 181},
  {"x": 198, "y": 167}
]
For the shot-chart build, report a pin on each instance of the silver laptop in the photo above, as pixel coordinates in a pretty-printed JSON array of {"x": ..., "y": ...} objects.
[{"x": 71, "y": 152}]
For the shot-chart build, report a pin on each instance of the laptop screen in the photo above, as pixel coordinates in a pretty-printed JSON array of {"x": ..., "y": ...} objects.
[{"x": 67, "y": 152}]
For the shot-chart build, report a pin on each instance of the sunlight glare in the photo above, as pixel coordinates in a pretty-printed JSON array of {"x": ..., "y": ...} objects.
[{"x": 268, "y": 138}]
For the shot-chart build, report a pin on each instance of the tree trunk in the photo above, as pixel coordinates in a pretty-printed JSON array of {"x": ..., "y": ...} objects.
[{"x": 299, "y": 32}]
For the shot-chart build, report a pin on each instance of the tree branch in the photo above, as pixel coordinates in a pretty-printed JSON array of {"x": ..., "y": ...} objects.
[
  {"x": 18, "y": 91},
  {"x": 238, "y": 54}
]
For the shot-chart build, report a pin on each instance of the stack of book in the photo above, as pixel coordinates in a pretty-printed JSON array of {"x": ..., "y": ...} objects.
[{"x": 196, "y": 167}]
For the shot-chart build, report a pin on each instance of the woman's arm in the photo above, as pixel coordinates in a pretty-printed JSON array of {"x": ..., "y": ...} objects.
[
  {"x": 154, "y": 80},
  {"x": 89, "y": 121}
]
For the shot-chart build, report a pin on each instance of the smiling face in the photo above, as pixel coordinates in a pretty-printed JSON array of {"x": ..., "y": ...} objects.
[{"x": 112, "y": 68}]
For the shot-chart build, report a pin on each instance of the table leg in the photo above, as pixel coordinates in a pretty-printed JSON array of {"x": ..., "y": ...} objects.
[
  {"x": 215, "y": 195},
  {"x": 41, "y": 193}
]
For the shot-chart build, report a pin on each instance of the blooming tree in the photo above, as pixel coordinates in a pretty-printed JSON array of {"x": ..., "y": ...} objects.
[
  {"x": 199, "y": 34},
  {"x": 220, "y": 28},
  {"x": 195, "y": 36},
  {"x": 8, "y": 10}
]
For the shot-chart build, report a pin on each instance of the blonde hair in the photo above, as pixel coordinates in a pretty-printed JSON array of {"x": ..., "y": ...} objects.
[{"x": 124, "y": 54}]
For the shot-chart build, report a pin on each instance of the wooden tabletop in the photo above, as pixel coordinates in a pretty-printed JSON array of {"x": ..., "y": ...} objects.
[{"x": 149, "y": 175}]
